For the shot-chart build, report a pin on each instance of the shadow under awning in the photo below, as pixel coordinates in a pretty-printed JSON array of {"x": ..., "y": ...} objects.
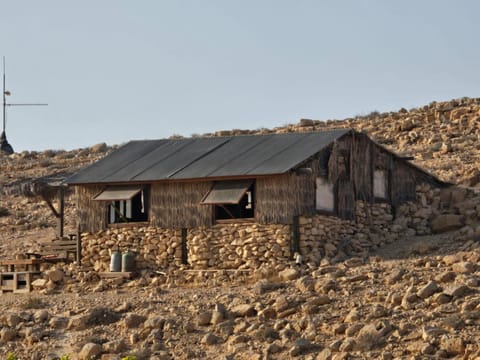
[
  {"x": 227, "y": 192},
  {"x": 116, "y": 193}
]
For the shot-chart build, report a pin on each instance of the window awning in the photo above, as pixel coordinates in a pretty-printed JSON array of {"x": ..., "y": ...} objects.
[
  {"x": 227, "y": 192},
  {"x": 116, "y": 193}
]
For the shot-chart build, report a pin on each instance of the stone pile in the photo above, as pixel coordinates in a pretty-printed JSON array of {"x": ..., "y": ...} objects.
[
  {"x": 238, "y": 246},
  {"x": 233, "y": 246},
  {"x": 154, "y": 248}
]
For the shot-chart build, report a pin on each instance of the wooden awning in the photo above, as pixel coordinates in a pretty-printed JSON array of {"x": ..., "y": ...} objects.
[
  {"x": 116, "y": 193},
  {"x": 227, "y": 192}
]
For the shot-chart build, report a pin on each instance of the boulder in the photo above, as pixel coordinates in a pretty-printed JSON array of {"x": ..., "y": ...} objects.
[
  {"x": 7, "y": 334},
  {"x": 90, "y": 351},
  {"x": 464, "y": 267},
  {"x": 289, "y": 274},
  {"x": 39, "y": 284},
  {"x": 41, "y": 316},
  {"x": 446, "y": 222},
  {"x": 243, "y": 310},
  {"x": 133, "y": 320},
  {"x": 204, "y": 318},
  {"x": 55, "y": 275},
  {"x": 210, "y": 339},
  {"x": 428, "y": 290}
]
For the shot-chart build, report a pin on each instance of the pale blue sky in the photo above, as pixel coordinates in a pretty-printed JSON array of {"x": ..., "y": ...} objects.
[{"x": 112, "y": 71}]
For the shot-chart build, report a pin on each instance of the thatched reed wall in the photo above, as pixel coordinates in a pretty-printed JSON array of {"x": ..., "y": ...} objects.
[
  {"x": 91, "y": 214},
  {"x": 177, "y": 205},
  {"x": 345, "y": 199},
  {"x": 351, "y": 168},
  {"x": 339, "y": 162},
  {"x": 362, "y": 166},
  {"x": 403, "y": 183},
  {"x": 280, "y": 198}
]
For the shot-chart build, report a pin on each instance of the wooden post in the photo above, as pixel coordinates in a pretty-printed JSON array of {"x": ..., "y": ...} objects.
[
  {"x": 61, "y": 211},
  {"x": 295, "y": 241},
  {"x": 184, "y": 247},
  {"x": 79, "y": 245}
]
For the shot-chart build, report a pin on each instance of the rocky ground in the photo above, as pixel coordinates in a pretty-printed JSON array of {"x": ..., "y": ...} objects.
[{"x": 417, "y": 298}]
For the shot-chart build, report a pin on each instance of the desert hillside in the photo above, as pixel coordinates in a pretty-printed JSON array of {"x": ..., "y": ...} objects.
[{"x": 415, "y": 299}]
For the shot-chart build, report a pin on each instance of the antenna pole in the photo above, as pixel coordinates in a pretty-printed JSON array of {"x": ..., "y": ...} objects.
[
  {"x": 4, "y": 145},
  {"x": 4, "y": 100}
]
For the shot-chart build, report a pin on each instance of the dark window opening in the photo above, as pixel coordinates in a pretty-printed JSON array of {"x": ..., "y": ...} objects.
[
  {"x": 232, "y": 199},
  {"x": 131, "y": 210},
  {"x": 245, "y": 209},
  {"x": 125, "y": 203}
]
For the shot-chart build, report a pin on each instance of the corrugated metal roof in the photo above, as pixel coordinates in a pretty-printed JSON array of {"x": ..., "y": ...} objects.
[{"x": 195, "y": 158}]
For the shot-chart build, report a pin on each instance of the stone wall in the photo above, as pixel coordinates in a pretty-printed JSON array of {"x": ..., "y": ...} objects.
[
  {"x": 328, "y": 237},
  {"x": 229, "y": 246},
  {"x": 155, "y": 248},
  {"x": 322, "y": 237},
  {"x": 237, "y": 246}
]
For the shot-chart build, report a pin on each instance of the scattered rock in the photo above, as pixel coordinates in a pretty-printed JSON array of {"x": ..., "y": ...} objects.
[
  {"x": 55, "y": 275},
  {"x": 90, "y": 351},
  {"x": 428, "y": 290},
  {"x": 289, "y": 274},
  {"x": 133, "y": 320},
  {"x": 210, "y": 339},
  {"x": 243, "y": 310},
  {"x": 446, "y": 222}
]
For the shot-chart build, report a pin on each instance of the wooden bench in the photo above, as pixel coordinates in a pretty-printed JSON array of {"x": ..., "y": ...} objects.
[{"x": 58, "y": 250}]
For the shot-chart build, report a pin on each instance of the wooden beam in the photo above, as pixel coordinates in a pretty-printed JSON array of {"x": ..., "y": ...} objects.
[
  {"x": 295, "y": 241},
  {"x": 50, "y": 205},
  {"x": 61, "y": 211},
  {"x": 184, "y": 247}
]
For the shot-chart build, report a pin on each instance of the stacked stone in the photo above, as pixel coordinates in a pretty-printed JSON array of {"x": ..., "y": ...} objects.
[
  {"x": 322, "y": 236},
  {"x": 154, "y": 247},
  {"x": 247, "y": 246},
  {"x": 232, "y": 246},
  {"x": 238, "y": 246}
]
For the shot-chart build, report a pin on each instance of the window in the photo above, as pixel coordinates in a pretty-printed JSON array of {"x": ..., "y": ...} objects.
[
  {"x": 324, "y": 196},
  {"x": 125, "y": 203},
  {"x": 380, "y": 183},
  {"x": 232, "y": 199}
]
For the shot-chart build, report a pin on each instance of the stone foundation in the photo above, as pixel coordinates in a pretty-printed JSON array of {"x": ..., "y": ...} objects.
[{"x": 249, "y": 245}]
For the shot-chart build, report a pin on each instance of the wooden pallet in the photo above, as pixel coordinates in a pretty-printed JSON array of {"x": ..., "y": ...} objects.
[{"x": 18, "y": 281}]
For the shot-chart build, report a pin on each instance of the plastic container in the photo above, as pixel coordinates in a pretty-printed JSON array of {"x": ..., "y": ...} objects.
[
  {"x": 128, "y": 261},
  {"x": 116, "y": 261}
]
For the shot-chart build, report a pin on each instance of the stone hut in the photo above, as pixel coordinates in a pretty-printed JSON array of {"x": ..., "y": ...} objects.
[{"x": 242, "y": 201}]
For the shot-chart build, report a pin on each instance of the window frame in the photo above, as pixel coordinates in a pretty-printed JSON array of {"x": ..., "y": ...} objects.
[
  {"x": 324, "y": 210},
  {"x": 385, "y": 196},
  {"x": 138, "y": 207},
  {"x": 227, "y": 206}
]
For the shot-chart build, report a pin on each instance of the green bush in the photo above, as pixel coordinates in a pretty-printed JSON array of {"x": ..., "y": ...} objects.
[{"x": 11, "y": 356}]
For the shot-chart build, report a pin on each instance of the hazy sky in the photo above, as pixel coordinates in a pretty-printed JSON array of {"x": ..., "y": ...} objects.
[{"x": 112, "y": 71}]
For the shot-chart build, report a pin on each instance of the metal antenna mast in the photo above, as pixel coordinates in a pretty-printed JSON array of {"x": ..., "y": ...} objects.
[{"x": 4, "y": 145}]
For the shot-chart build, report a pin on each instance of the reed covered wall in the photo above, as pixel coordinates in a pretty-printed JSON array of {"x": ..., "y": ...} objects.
[
  {"x": 403, "y": 183},
  {"x": 177, "y": 205},
  {"x": 91, "y": 214},
  {"x": 280, "y": 198}
]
